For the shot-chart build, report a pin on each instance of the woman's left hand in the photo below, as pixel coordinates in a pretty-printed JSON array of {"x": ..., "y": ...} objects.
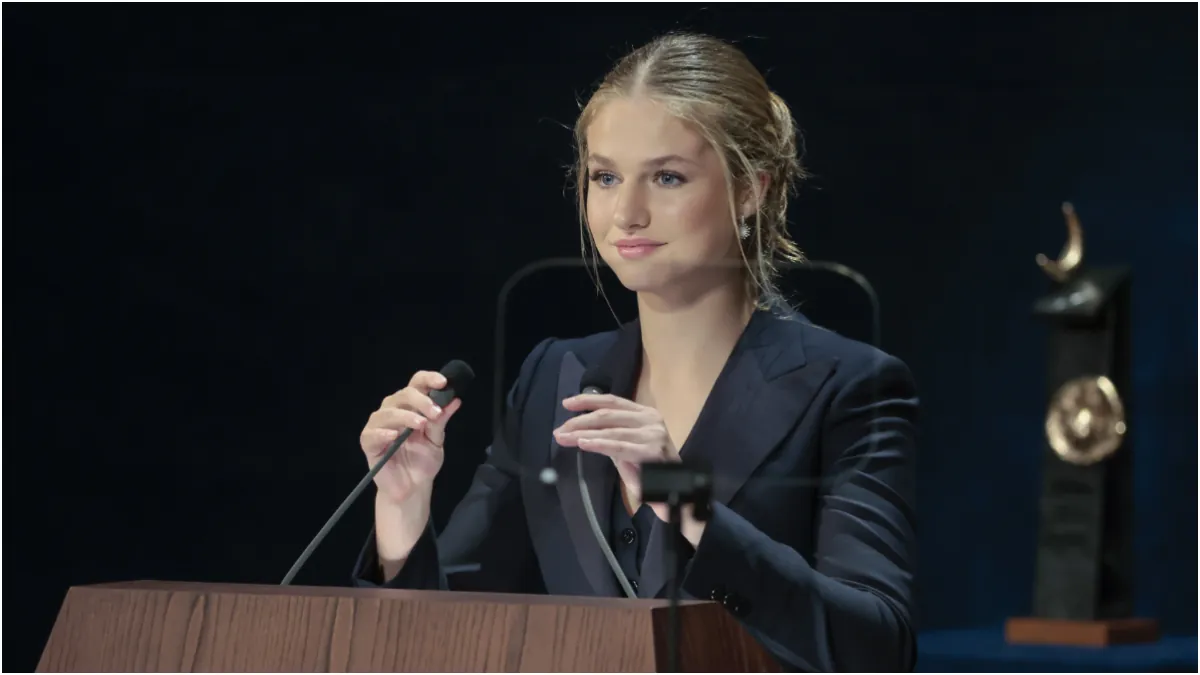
[{"x": 630, "y": 434}]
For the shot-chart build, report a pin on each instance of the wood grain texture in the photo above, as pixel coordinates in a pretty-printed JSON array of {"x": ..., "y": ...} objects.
[{"x": 187, "y": 627}]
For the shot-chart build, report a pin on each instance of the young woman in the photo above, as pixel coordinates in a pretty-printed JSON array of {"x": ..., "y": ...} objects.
[{"x": 686, "y": 159}]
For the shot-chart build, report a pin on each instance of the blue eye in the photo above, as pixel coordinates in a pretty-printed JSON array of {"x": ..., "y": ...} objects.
[
  {"x": 668, "y": 179},
  {"x": 603, "y": 178}
]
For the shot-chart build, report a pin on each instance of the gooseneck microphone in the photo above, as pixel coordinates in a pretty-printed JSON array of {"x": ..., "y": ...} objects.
[
  {"x": 595, "y": 381},
  {"x": 458, "y": 375},
  {"x": 671, "y": 482}
]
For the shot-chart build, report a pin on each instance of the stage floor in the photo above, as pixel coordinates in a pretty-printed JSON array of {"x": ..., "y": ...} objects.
[{"x": 984, "y": 650}]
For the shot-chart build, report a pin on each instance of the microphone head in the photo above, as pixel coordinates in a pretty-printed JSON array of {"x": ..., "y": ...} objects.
[
  {"x": 458, "y": 376},
  {"x": 596, "y": 381}
]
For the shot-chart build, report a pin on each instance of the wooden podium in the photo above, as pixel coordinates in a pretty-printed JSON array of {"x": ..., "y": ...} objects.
[{"x": 184, "y": 627}]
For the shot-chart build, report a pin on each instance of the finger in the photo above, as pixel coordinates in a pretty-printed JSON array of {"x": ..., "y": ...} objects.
[
  {"x": 596, "y": 401},
  {"x": 436, "y": 431},
  {"x": 638, "y": 435},
  {"x": 413, "y": 399},
  {"x": 397, "y": 419},
  {"x": 451, "y": 408},
  {"x": 427, "y": 380},
  {"x": 378, "y": 438},
  {"x": 623, "y": 450},
  {"x": 604, "y": 418}
]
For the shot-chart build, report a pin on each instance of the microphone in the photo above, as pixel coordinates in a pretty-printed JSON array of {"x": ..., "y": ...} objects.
[
  {"x": 669, "y": 482},
  {"x": 458, "y": 376},
  {"x": 596, "y": 381}
]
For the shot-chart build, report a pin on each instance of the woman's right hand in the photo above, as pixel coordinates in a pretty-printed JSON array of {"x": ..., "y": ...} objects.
[
  {"x": 405, "y": 484},
  {"x": 410, "y": 472}
]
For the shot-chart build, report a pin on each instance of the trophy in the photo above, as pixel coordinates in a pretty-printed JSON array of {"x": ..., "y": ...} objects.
[{"x": 1084, "y": 572}]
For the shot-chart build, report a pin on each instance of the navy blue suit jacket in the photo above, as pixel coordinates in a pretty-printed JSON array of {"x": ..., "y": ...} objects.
[{"x": 811, "y": 543}]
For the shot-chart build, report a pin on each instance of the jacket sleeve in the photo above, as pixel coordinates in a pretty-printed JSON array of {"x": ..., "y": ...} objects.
[
  {"x": 485, "y": 545},
  {"x": 851, "y": 610}
]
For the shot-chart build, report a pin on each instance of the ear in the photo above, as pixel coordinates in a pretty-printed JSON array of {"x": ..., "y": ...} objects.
[{"x": 753, "y": 202}]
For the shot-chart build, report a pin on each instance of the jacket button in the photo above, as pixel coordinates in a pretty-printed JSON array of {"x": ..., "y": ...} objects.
[
  {"x": 718, "y": 594},
  {"x": 628, "y": 535},
  {"x": 736, "y": 605},
  {"x": 634, "y": 585}
]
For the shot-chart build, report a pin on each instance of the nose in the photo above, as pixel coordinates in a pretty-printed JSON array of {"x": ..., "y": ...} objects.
[{"x": 630, "y": 210}]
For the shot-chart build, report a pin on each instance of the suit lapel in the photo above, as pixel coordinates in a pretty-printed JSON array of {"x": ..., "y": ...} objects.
[
  {"x": 766, "y": 389},
  {"x": 620, "y": 359},
  {"x": 600, "y": 478},
  {"x": 758, "y": 398}
]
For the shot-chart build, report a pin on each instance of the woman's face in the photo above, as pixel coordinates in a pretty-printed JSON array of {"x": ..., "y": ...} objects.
[{"x": 657, "y": 204}]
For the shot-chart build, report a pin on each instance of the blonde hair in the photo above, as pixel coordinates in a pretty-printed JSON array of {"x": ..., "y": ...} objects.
[{"x": 714, "y": 87}]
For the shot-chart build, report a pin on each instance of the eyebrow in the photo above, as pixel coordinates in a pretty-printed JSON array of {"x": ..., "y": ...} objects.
[{"x": 657, "y": 161}]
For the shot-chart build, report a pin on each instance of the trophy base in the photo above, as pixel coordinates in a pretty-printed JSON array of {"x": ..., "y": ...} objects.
[{"x": 1072, "y": 633}]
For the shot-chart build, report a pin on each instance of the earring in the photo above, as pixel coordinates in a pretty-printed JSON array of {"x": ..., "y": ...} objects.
[{"x": 743, "y": 230}]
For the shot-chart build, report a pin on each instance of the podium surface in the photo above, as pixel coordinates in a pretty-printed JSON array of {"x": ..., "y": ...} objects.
[{"x": 150, "y": 626}]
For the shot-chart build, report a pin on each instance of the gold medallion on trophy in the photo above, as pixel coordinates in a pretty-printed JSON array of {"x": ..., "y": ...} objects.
[{"x": 1086, "y": 420}]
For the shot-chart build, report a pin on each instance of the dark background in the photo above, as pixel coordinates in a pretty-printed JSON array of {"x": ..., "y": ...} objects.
[{"x": 232, "y": 231}]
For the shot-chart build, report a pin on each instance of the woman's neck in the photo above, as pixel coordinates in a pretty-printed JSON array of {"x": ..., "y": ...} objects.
[{"x": 683, "y": 342}]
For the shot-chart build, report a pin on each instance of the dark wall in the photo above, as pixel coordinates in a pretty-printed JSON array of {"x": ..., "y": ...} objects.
[{"x": 232, "y": 232}]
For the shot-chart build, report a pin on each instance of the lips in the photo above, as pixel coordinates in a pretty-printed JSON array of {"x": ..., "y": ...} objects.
[
  {"x": 637, "y": 241},
  {"x": 637, "y": 248}
]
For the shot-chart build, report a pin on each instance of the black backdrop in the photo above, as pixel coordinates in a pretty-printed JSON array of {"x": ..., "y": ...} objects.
[{"x": 232, "y": 231}]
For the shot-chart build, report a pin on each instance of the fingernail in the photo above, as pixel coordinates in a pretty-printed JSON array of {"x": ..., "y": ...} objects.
[{"x": 437, "y": 410}]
